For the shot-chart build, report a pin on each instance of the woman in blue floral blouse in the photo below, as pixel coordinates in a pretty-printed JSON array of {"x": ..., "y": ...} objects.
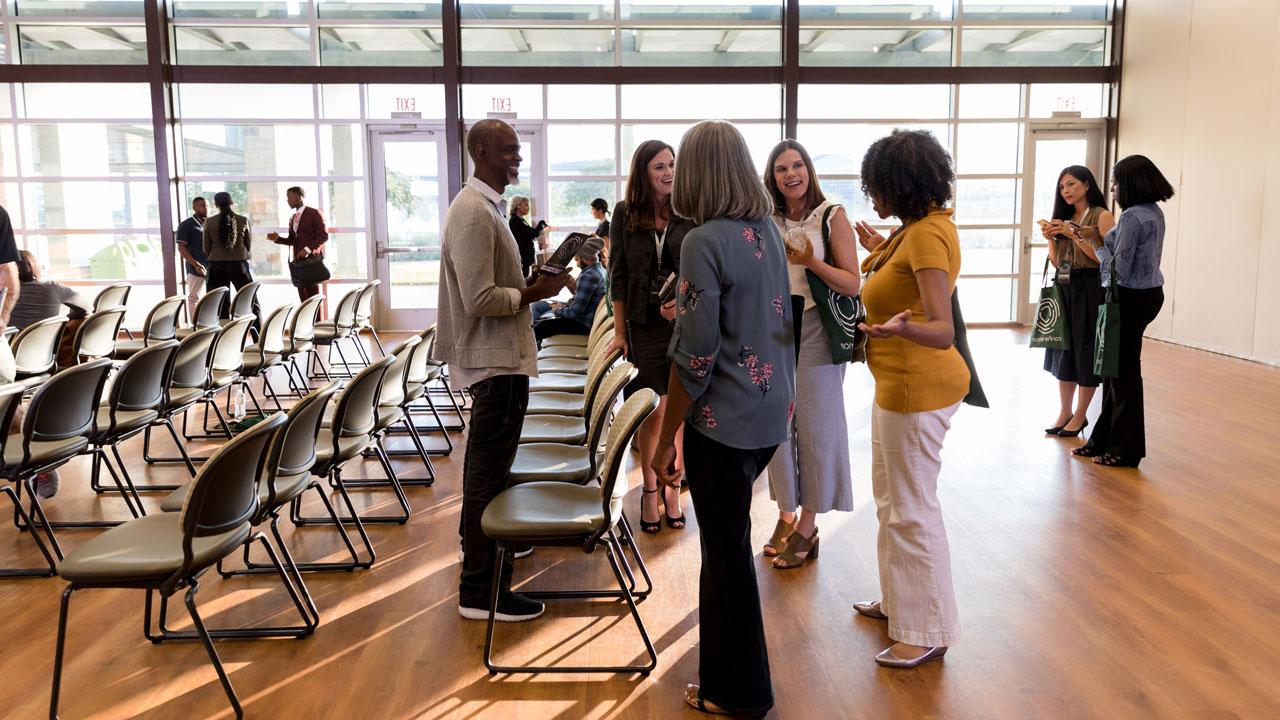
[{"x": 733, "y": 384}]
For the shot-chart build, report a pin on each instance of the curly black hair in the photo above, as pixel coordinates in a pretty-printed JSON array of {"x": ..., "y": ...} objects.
[{"x": 909, "y": 172}]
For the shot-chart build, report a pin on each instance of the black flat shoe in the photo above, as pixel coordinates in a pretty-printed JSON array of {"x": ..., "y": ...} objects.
[{"x": 1064, "y": 432}]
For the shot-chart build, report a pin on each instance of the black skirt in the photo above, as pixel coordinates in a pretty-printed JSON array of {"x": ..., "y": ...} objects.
[
  {"x": 649, "y": 341},
  {"x": 1083, "y": 295}
]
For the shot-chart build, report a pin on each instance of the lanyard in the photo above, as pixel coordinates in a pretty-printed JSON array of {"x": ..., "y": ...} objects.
[{"x": 659, "y": 241}]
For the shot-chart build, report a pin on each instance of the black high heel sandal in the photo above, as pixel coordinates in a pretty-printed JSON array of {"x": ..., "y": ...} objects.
[
  {"x": 650, "y": 528},
  {"x": 1110, "y": 460},
  {"x": 1089, "y": 452},
  {"x": 675, "y": 523}
]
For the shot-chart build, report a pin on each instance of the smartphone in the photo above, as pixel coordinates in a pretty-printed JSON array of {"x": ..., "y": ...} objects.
[{"x": 1043, "y": 224}]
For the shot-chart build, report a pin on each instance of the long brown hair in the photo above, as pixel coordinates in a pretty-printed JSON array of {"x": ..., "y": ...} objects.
[
  {"x": 813, "y": 196},
  {"x": 639, "y": 195}
]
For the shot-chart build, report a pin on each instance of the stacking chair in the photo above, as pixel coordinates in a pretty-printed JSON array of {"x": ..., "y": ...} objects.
[
  {"x": 578, "y": 352},
  {"x": 133, "y": 405},
  {"x": 96, "y": 336},
  {"x": 207, "y": 313},
  {"x": 349, "y": 435},
  {"x": 184, "y": 388},
  {"x": 10, "y": 399},
  {"x": 161, "y": 324},
  {"x": 58, "y": 426},
  {"x": 266, "y": 353},
  {"x": 420, "y": 373},
  {"x": 564, "y": 514},
  {"x": 572, "y": 381},
  {"x": 424, "y": 376},
  {"x": 364, "y": 317},
  {"x": 244, "y": 302},
  {"x": 562, "y": 402},
  {"x": 576, "y": 340},
  {"x": 392, "y": 399},
  {"x": 567, "y": 429},
  {"x": 299, "y": 342},
  {"x": 330, "y": 333},
  {"x": 575, "y": 365},
  {"x": 35, "y": 351},
  {"x": 225, "y": 362},
  {"x": 573, "y": 462},
  {"x": 114, "y": 296},
  {"x": 168, "y": 552}
]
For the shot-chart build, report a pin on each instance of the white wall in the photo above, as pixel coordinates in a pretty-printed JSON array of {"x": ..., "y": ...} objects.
[{"x": 1200, "y": 96}]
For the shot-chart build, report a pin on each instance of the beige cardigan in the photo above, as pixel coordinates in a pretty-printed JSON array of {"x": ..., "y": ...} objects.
[{"x": 481, "y": 323}]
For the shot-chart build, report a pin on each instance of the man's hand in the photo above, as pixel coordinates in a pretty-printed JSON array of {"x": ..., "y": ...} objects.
[
  {"x": 273, "y": 236},
  {"x": 302, "y": 252},
  {"x": 543, "y": 286},
  {"x": 201, "y": 270}
]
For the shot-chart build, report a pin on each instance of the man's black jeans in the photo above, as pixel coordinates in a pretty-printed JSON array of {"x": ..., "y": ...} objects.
[{"x": 497, "y": 414}]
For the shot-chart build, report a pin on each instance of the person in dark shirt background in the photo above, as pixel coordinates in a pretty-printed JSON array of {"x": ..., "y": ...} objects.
[
  {"x": 191, "y": 247},
  {"x": 526, "y": 235},
  {"x": 8, "y": 267}
]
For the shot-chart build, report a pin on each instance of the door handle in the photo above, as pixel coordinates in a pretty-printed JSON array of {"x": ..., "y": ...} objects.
[{"x": 385, "y": 250}]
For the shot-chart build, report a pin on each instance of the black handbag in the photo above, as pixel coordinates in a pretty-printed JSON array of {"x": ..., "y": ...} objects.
[{"x": 309, "y": 270}]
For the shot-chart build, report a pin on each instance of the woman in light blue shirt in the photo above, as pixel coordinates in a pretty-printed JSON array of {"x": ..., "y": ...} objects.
[{"x": 1129, "y": 256}]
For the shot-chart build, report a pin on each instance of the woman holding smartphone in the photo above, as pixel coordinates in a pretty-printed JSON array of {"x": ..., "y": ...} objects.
[
  {"x": 1079, "y": 204},
  {"x": 645, "y": 238}
]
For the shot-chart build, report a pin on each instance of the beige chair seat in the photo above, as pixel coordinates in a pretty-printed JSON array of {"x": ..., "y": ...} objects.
[
  {"x": 562, "y": 365},
  {"x": 326, "y": 330},
  {"x": 128, "y": 348},
  {"x": 551, "y": 461},
  {"x": 564, "y": 429},
  {"x": 252, "y": 362},
  {"x": 42, "y": 451},
  {"x": 180, "y": 396},
  {"x": 544, "y": 509},
  {"x": 415, "y": 392},
  {"x": 126, "y": 420},
  {"x": 146, "y": 548},
  {"x": 287, "y": 488},
  {"x": 563, "y": 382},
  {"x": 554, "y": 402},
  {"x": 388, "y": 415},
  {"x": 565, "y": 340},
  {"x": 348, "y": 447},
  {"x": 563, "y": 351},
  {"x": 223, "y": 378},
  {"x": 300, "y": 346},
  {"x": 184, "y": 332}
]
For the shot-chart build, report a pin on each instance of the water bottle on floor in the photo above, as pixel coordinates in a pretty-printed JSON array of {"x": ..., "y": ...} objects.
[{"x": 237, "y": 404}]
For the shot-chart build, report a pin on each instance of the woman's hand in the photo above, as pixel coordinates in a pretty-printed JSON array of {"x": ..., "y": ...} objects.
[
  {"x": 664, "y": 464},
  {"x": 668, "y": 310},
  {"x": 619, "y": 342},
  {"x": 890, "y": 328},
  {"x": 868, "y": 237},
  {"x": 802, "y": 256}
]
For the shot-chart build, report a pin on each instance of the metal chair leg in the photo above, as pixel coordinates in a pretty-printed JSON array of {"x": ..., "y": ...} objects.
[
  {"x": 44, "y": 550},
  {"x": 295, "y": 515},
  {"x": 190, "y": 600},
  {"x": 60, "y": 652}
]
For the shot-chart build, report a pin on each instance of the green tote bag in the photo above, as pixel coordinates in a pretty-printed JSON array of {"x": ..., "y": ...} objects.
[
  {"x": 1106, "y": 340},
  {"x": 1051, "y": 330},
  {"x": 840, "y": 314}
]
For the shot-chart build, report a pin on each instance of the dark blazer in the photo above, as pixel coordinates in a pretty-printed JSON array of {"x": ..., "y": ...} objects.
[
  {"x": 526, "y": 235},
  {"x": 311, "y": 232},
  {"x": 631, "y": 258}
]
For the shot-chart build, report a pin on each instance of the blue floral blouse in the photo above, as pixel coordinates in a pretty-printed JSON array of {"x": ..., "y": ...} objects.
[{"x": 733, "y": 347}]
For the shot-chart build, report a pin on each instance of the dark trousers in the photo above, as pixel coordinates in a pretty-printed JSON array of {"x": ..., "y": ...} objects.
[
  {"x": 497, "y": 414},
  {"x": 1121, "y": 426},
  {"x": 307, "y": 291},
  {"x": 227, "y": 273},
  {"x": 733, "y": 663},
  {"x": 544, "y": 329}
]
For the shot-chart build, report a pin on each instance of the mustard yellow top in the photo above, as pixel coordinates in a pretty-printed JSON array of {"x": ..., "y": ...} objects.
[{"x": 911, "y": 377}]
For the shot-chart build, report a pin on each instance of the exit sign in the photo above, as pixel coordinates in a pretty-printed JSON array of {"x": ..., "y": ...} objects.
[
  {"x": 501, "y": 104},
  {"x": 406, "y": 104}
]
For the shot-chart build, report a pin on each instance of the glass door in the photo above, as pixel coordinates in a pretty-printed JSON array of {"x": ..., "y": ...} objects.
[
  {"x": 407, "y": 173},
  {"x": 533, "y": 169},
  {"x": 1051, "y": 147}
]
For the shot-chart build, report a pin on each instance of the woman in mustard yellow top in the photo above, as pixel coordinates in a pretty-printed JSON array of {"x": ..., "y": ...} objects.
[{"x": 920, "y": 380}]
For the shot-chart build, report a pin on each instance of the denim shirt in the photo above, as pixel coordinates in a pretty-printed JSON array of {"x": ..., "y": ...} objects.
[
  {"x": 733, "y": 347},
  {"x": 1132, "y": 249}
]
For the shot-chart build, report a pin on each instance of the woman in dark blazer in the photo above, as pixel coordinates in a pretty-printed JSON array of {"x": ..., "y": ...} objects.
[
  {"x": 645, "y": 239},
  {"x": 526, "y": 235}
]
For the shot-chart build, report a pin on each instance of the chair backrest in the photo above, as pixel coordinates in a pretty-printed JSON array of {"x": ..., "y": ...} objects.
[
  {"x": 35, "y": 349},
  {"x": 394, "y": 383},
  {"x": 294, "y": 450},
  {"x": 599, "y": 334},
  {"x": 66, "y": 405},
  {"x": 242, "y": 303},
  {"x": 272, "y": 338},
  {"x": 143, "y": 379},
  {"x": 601, "y": 402},
  {"x": 600, "y": 314},
  {"x": 344, "y": 317},
  {"x": 364, "y": 306},
  {"x": 224, "y": 493},
  {"x": 600, "y": 363},
  {"x": 209, "y": 308},
  {"x": 10, "y": 399},
  {"x": 96, "y": 336},
  {"x": 614, "y": 483},
  {"x": 228, "y": 349},
  {"x": 419, "y": 359},
  {"x": 112, "y": 296},
  {"x": 303, "y": 327},
  {"x": 191, "y": 363},
  {"x": 357, "y": 408},
  {"x": 162, "y": 321}
]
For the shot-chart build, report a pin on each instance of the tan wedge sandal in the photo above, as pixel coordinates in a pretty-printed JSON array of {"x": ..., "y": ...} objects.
[
  {"x": 778, "y": 540},
  {"x": 799, "y": 550}
]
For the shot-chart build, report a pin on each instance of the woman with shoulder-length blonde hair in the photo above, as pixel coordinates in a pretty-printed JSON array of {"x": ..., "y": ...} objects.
[
  {"x": 732, "y": 368},
  {"x": 810, "y": 473}
]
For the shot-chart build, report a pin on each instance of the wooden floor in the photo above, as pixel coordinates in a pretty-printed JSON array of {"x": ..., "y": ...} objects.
[{"x": 1084, "y": 592}]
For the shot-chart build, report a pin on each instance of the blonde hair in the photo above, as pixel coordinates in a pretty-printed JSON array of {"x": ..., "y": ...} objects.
[
  {"x": 517, "y": 201},
  {"x": 716, "y": 178}
]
